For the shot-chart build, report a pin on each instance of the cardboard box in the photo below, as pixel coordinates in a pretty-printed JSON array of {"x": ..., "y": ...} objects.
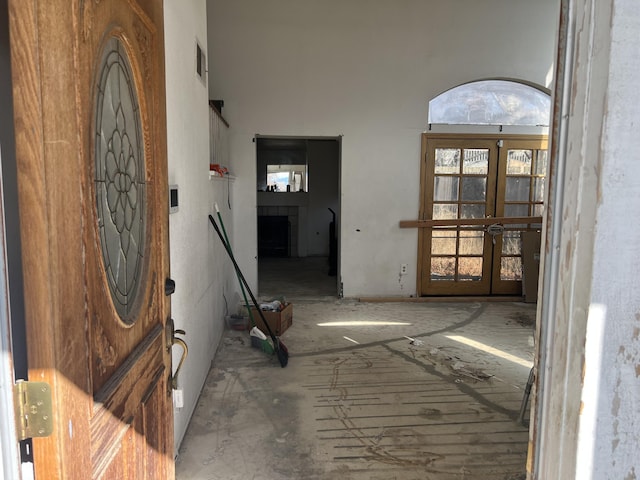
[{"x": 278, "y": 321}]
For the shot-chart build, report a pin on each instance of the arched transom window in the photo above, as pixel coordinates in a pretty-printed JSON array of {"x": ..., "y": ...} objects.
[{"x": 491, "y": 102}]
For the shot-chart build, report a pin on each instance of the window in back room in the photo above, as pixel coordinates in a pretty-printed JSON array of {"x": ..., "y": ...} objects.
[
  {"x": 286, "y": 178},
  {"x": 282, "y": 165}
]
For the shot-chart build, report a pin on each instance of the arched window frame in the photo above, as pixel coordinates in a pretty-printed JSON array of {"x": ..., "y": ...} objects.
[{"x": 490, "y": 106}]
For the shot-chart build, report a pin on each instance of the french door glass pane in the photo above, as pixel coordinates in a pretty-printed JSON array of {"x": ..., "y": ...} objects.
[
  {"x": 510, "y": 268},
  {"x": 471, "y": 242},
  {"x": 445, "y": 211},
  {"x": 519, "y": 162},
  {"x": 470, "y": 269},
  {"x": 443, "y": 242},
  {"x": 538, "y": 210},
  {"x": 517, "y": 210},
  {"x": 445, "y": 188},
  {"x": 517, "y": 189},
  {"x": 472, "y": 210},
  {"x": 443, "y": 268},
  {"x": 476, "y": 161},
  {"x": 511, "y": 243},
  {"x": 474, "y": 189},
  {"x": 541, "y": 163},
  {"x": 447, "y": 160},
  {"x": 538, "y": 189}
]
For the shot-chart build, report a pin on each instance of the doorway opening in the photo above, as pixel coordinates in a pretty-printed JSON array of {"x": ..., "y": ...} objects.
[{"x": 298, "y": 211}]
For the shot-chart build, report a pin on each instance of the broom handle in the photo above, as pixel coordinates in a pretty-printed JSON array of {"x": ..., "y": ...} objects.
[
  {"x": 239, "y": 273},
  {"x": 226, "y": 239}
]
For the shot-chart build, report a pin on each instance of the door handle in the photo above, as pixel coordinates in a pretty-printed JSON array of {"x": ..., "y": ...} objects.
[{"x": 171, "y": 340}]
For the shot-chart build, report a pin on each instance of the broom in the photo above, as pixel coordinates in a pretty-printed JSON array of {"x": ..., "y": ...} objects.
[
  {"x": 281, "y": 350},
  {"x": 265, "y": 346}
]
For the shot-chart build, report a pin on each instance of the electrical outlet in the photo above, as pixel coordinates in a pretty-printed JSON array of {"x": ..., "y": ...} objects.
[
  {"x": 178, "y": 399},
  {"x": 403, "y": 269}
]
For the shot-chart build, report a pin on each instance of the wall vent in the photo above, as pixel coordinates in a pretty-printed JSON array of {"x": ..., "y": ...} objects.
[{"x": 201, "y": 63}]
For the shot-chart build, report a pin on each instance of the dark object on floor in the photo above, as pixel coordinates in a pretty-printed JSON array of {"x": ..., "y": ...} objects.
[{"x": 281, "y": 350}]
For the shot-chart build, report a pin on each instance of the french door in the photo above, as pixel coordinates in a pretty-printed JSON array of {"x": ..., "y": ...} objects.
[{"x": 478, "y": 195}]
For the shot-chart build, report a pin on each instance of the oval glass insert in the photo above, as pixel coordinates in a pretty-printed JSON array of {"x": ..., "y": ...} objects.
[{"x": 120, "y": 178}]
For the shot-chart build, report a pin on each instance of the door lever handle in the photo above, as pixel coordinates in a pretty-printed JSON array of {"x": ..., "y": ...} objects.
[{"x": 172, "y": 340}]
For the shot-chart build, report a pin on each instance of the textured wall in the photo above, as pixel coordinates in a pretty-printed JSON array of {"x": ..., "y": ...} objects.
[
  {"x": 198, "y": 262},
  {"x": 616, "y": 437}
]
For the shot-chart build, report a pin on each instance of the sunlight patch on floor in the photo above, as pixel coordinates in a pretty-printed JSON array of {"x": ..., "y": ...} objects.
[
  {"x": 351, "y": 340},
  {"x": 490, "y": 350},
  {"x": 360, "y": 323}
]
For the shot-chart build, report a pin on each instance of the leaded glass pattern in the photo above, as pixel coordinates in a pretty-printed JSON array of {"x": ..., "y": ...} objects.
[{"x": 120, "y": 178}]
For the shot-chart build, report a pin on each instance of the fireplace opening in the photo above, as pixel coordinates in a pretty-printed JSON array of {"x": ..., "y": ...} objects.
[{"x": 274, "y": 236}]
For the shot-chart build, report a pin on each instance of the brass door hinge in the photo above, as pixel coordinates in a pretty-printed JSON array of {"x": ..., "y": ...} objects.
[{"x": 33, "y": 409}]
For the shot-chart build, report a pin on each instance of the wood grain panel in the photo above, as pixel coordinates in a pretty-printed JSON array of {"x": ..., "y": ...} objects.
[
  {"x": 49, "y": 156},
  {"x": 122, "y": 404},
  {"x": 469, "y": 221}
]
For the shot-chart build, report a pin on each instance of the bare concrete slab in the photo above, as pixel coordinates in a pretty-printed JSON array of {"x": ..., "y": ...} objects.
[{"x": 372, "y": 391}]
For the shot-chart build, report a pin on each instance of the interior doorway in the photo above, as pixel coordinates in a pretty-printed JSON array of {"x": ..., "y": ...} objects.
[
  {"x": 479, "y": 195},
  {"x": 298, "y": 214}
]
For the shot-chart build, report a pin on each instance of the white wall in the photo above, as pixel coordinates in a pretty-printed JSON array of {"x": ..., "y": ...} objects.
[
  {"x": 617, "y": 257},
  {"x": 198, "y": 262},
  {"x": 616, "y": 263},
  {"x": 365, "y": 70}
]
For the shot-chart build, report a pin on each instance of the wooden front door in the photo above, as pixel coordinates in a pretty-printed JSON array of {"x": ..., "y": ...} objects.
[
  {"x": 478, "y": 194},
  {"x": 88, "y": 80}
]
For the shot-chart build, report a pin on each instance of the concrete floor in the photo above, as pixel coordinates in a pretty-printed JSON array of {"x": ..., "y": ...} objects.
[{"x": 360, "y": 400}]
